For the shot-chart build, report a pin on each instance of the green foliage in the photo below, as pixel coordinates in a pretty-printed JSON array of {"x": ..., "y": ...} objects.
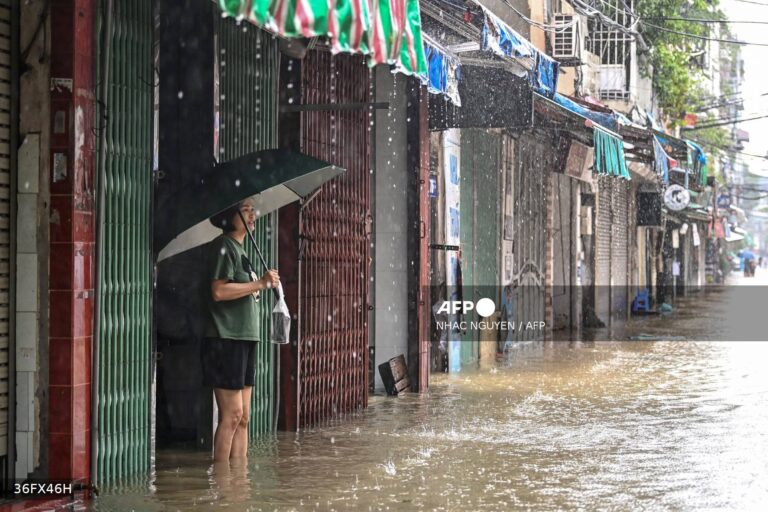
[{"x": 672, "y": 56}]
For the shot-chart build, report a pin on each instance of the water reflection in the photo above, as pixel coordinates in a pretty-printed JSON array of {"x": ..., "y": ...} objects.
[{"x": 678, "y": 425}]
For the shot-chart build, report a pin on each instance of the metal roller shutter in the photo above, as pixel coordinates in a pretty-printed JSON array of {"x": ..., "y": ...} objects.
[
  {"x": 619, "y": 247},
  {"x": 5, "y": 221},
  {"x": 335, "y": 267},
  {"x": 530, "y": 221},
  {"x": 479, "y": 223},
  {"x": 603, "y": 235},
  {"x": 248, "y": 71},
  {"x": 125, "y": 278}
]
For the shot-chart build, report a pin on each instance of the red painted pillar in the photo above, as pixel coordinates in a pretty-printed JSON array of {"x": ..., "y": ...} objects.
[{"x": 72, "y": 238}]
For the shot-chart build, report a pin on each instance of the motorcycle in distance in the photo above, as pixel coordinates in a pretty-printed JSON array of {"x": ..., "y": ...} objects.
[{"x": 750, "y": 263}]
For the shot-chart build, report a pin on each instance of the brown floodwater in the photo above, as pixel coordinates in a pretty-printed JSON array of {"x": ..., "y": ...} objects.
[
  {"x": 677, "y": 425},
  {"x": 653, "y": 425}
]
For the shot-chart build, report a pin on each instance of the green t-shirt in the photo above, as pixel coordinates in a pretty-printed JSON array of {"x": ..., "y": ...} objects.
[{"x": 231, "y": 319}]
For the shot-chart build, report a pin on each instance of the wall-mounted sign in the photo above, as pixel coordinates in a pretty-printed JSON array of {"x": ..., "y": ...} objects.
[
  {"x": 723, "y": 201},
  {"x": 676, "y": 198},
  {"x": 433, "y": 186}
]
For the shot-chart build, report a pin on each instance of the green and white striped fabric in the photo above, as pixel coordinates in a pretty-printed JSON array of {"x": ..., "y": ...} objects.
[{"x": 389, "y": 32}]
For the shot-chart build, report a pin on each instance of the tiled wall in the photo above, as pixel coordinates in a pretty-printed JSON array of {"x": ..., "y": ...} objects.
[
  {"x": 27, "y": 305},
  {"x": 71, "y": 238}
]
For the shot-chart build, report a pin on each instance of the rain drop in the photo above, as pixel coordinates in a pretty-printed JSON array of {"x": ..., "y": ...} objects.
[{"x": 181, "y": 94}]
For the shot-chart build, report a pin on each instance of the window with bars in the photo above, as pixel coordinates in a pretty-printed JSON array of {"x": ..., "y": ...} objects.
[{"x": 613, "y": 47}]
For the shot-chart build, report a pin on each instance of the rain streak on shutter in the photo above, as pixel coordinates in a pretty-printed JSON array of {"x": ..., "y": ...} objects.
[
  {"x": 125, "y": 278},
  {"x": 5, "y": 178},
  {"x": 248, "y": 71}
]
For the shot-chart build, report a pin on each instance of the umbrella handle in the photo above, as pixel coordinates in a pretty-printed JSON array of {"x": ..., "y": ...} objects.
[{"x": 258, "y": 252}]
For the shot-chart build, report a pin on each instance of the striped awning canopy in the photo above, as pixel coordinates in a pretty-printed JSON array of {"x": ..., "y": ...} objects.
[{"x": 389, "y": 32}]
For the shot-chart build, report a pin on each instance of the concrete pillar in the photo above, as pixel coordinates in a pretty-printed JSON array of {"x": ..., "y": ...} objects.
[{"x": 390, "y": 220}]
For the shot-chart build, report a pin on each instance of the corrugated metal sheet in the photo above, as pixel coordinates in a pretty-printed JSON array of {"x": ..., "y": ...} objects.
[
  {"x": 530, "y": 221},
  {"x": 480, "y": 236},
  {"x": 5, "y": 215},
  {"x": 248, "y": 74},
  {"x": 335, "y": 269},
  {"x": 125, "y": 263}
]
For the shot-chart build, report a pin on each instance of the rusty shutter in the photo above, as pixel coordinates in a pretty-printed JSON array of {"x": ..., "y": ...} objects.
[{"x": 335, "y": 267}]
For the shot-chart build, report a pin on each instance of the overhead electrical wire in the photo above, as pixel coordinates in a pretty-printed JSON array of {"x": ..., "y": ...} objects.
[
  {"x": 557, "y": 28},
  {"x": 704, "y": 38},
  {"x": 752, "y": 2},
  {"x": 704, "y": 20},
  {"x": 725, "y": 123}
]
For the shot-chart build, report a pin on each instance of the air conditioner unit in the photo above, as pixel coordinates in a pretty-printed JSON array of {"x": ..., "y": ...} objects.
[{"x": 566, "y": 39}]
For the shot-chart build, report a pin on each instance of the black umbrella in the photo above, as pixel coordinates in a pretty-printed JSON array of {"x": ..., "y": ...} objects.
[{"x": 272, "y": 178}]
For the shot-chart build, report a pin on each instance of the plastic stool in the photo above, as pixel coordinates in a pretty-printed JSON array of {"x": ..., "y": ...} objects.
[{"x": 641, "y": 302}]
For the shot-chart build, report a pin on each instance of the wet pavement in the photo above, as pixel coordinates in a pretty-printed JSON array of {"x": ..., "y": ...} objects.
[{"x": 679, "y": 425}]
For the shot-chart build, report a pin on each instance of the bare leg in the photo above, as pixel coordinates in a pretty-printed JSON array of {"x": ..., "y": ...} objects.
[
  {"x": 240, "y": 441},
  {"x": 230, "y": 403}
]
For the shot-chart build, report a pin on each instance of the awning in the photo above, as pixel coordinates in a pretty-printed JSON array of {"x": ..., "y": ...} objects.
[
  {"x": 563, "y": 113},
  {"x": 388, "y": 32},
  {"x": 503, "y": 41},
  {"x": 607, "y": 121},
  {"x": 740, "y": 214},
  {"x": 482, "y": 106},
  {"x": 734, "y": 237},
  {"x": 696, "y": 214},
  {"x": 700, "y": 161},
  {"x": 443, "y": 72}
]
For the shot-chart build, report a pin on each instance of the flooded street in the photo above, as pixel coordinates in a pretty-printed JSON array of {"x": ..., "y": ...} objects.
[{"x": 606, "y": 425}]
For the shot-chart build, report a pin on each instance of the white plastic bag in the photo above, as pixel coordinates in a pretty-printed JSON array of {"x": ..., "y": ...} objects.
[{"x": 281, "y": 320}]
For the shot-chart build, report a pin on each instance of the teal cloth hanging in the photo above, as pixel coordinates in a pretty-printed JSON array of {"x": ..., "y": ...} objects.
[{"x": 609, "y": 154}]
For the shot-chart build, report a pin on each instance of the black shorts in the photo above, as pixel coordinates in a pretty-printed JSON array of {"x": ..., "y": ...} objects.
[{"x": 228, "y": 364}]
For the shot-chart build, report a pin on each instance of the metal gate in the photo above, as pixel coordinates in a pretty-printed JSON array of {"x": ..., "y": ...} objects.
[
  {"x": 247, "y": 59},
  {"x": 125, "y": 252},
  {"x": 480, "y": 237},
  {"x": 530, "y": 221},
  {"x": 336, "y": 224}
]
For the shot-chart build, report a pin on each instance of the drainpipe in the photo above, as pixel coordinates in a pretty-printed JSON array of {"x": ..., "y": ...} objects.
[{"x": 101, "y": 172}]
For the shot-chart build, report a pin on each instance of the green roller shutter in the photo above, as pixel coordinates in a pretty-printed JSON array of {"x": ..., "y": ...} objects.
[
  {"x": 480, "y": 235},
  {"x": 248, "y": 71},
  {"x": 124, "y": 254}
]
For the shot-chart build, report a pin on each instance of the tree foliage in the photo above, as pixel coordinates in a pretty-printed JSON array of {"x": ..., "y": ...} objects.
[{"x": 673, "y": 58}]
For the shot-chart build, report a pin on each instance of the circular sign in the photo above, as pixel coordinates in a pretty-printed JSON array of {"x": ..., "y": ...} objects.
[{"x": 676, "y": 197}]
